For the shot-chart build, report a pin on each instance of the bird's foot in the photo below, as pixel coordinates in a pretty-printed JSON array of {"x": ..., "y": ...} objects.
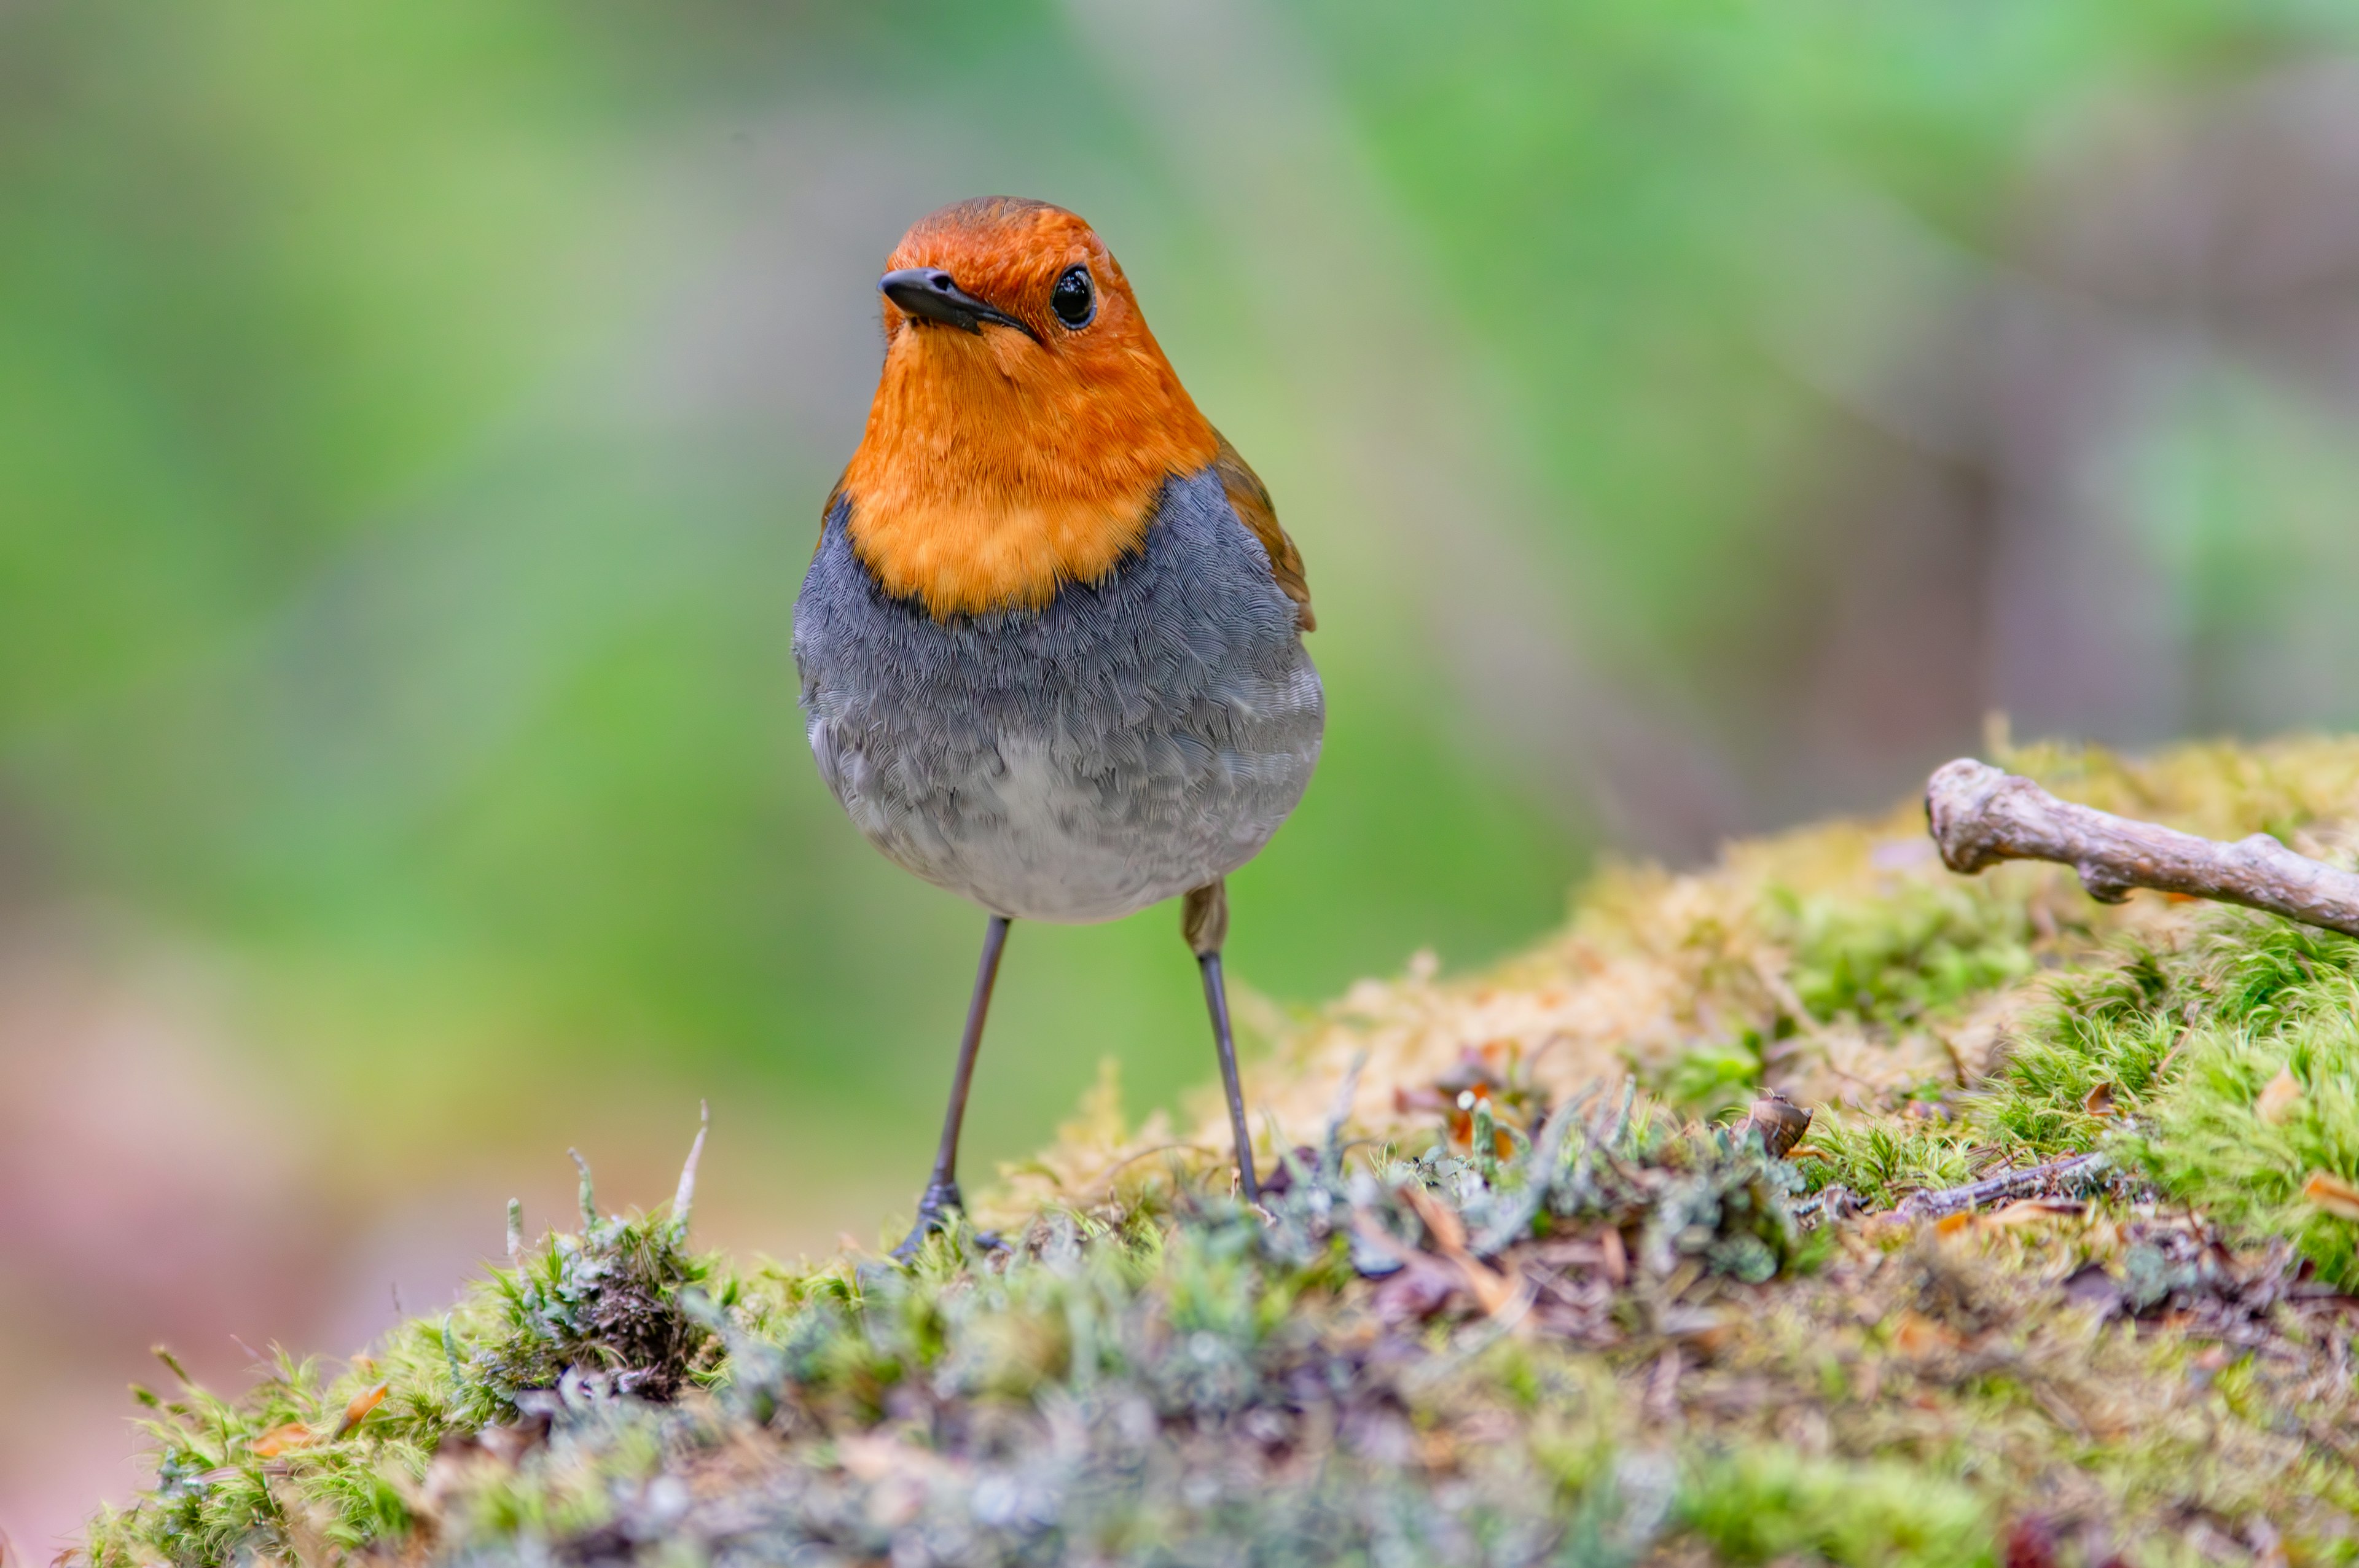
[{"x": 940, "y": 1210}]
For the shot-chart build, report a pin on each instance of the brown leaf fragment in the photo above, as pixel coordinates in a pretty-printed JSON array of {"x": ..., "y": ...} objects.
[
  {"x": 1615, "y": 1257},
  {"x": 1780, "y": 1120},
  {"x": 367, "y": 1399},
  {"x": 1500, "y": 1295},
  {"x": 1503, "y": 1296},
  {"x": 2099, "y": 1101},
  {"x": 278, "y": 1440},
  {"x": 1419, "y": 1288},
  {"x": 1406, "y": 1100},
  {"x": 1440, "y": 1221},
  {"x": 2279, "y": 1098},
  {"x": 2332, "y": 1193},
  {"x": 1917, "y": 1336},
  {"x": 1706, "y": 1333}
]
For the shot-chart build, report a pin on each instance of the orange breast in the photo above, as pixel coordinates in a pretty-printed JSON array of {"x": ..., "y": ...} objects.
[{"x": 992, "y": 474}]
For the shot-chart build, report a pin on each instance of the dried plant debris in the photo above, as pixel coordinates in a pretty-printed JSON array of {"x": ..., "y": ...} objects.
[{"x": 1811, "y": 1209}]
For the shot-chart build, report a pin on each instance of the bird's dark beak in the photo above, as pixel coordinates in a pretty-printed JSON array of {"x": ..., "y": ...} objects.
[{"x": 929, "y": 293}]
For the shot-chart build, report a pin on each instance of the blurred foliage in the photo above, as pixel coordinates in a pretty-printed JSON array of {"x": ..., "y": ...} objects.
[
  {"x": 1639, "y": 205},
  {"x": 372, "y": 623},
  {"x": 378, "y": 616}
]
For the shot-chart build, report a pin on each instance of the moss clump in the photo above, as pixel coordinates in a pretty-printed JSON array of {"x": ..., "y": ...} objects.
[
  {"x": 2166, "y": 1055},
  {"x": 1509, "y": 1303},
  {"x": 612, "y": 1302},
  {"x": 2214, "y": 1143},
  {"x": 1756, "y": 1503},
  {"x": 1877, "y": 1161},
  {"x": 306, "y": 1465},
  {"x": 2163, "y": 1052},
  {"x": 2092, "y": 1051},
  {"x": 1609, "y": 1344},
  {"x": 1919, "y": 952},
  {"x": 222, "y": 1491},
  {"x": 2255, "y": 1116}
]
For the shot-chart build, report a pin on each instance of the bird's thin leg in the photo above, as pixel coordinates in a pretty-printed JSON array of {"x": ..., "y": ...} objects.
[
  {"x": 1216, "y": 997},
  {"x": 1204, "y": 921},
  {"x": 942, "y": 1193}
]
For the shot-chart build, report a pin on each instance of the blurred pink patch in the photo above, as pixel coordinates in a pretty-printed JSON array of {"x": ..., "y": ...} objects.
[{"x": 147, "y": 1192}]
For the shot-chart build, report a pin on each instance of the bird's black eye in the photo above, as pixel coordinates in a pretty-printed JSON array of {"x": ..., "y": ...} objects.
[{"x": 1074, "y": 299}]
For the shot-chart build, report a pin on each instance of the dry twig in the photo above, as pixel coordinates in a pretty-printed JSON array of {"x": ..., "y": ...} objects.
[
  {"x": 1980, "y": 816},
  {"x": 2057, "y": 1173}
]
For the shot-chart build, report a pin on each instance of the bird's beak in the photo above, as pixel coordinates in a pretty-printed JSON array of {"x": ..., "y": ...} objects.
[{"x": 929, "y": 293}]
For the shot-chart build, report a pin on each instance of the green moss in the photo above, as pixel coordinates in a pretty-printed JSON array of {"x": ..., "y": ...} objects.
[
  {"x": 2115, "y": 1027},
  {"x": 1761, "y": 1502},
  {"x": 2163, "y": 1056},
  {"x": 1201, "y": 1382},
  {"x": 1229, "y": 1334},
  {"x": 1914, "y": 953},
  {"x": 1621, "y": 1334},
  {"x": 1879, "y": 1160},
  {"x": 305, "y": 1461},
  {"x": 1714, "y": 1078},
  {"x": 2209, "y": 1142}
]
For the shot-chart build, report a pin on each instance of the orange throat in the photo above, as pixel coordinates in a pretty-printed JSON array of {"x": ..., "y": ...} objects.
[{"x": 993, "y": 474}]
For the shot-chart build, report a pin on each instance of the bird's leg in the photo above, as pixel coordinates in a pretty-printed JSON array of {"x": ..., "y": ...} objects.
[
  {"x": 942, "y": 1195},
  {"x": 1204, "y": 921}
]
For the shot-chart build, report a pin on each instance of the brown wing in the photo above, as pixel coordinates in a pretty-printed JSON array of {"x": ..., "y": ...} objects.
[
  {"x": 827, "y": 510},
  {"x": 1250, "y": 498}
]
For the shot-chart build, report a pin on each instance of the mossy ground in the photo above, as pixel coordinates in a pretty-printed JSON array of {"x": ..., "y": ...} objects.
[{"x": 1529, "y": 1289}]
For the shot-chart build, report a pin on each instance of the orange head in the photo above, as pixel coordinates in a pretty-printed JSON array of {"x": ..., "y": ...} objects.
[{"x": 1026, "y": 418}]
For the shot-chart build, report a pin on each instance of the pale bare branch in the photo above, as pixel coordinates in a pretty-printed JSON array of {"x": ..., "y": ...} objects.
[{"x": 1980, "y": 815}]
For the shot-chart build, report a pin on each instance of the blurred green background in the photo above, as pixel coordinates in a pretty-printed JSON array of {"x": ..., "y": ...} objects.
[{"x": 413, "y": 424}]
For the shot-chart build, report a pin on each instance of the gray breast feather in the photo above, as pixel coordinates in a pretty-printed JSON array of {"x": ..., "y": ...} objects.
[{"x": 1137, "y": 738}]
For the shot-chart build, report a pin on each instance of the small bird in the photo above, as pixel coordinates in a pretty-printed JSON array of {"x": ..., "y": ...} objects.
[{"x": 1050, "y": 644}]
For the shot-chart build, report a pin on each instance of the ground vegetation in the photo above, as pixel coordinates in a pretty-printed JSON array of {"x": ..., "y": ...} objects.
[{"x": 1822, "y": 1206}]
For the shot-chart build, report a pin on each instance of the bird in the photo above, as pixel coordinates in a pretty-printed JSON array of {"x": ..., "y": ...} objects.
[{"x": 1050, "y": 643}]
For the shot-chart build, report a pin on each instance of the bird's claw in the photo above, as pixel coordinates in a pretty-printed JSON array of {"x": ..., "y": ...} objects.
[{"x": 940, "y": 1210}]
